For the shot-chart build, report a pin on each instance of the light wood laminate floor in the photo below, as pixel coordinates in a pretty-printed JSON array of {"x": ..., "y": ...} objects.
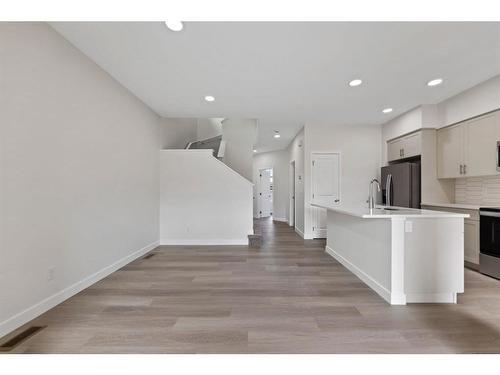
[{"x": 287, "y": 297}]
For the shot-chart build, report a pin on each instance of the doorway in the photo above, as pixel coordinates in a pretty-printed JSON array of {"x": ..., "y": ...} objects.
[{"x": 265, "y": 197}]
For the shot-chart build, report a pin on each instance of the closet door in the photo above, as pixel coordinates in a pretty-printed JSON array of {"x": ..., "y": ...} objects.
[{"x": 325, "y": 188}]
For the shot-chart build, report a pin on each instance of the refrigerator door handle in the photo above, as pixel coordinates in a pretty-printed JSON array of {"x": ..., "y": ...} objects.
[{"x": 388, "y": 184}]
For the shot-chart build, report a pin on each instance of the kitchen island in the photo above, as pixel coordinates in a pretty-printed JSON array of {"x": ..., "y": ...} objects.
[{"x": 405, "y": 255}]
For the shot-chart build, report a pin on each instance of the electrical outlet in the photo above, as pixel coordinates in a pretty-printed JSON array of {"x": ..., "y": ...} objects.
[{"x": 50, "y": 273}]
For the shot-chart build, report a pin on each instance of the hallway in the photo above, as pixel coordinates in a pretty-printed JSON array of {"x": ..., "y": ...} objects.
[{"x": 287, "y": 297}]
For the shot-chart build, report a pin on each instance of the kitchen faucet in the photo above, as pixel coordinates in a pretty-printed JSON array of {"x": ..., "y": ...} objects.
[{"x": 371, "y": 198}]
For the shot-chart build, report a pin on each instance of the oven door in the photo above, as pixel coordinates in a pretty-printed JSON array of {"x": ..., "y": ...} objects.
[{"x": 490, "y": 233}]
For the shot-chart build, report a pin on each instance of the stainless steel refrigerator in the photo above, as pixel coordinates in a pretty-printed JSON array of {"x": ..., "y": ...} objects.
[{"x": 401, "y": 185}]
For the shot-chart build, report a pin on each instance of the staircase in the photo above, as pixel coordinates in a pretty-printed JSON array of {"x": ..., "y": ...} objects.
[
  {"x": 216, "y": 144},
  {"x": 255, "y": 240}
]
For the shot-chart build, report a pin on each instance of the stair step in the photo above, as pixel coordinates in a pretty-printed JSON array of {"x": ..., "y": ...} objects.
[{"x": 254, "y": 240}]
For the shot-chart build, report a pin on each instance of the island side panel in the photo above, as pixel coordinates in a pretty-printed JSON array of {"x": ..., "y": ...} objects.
[
  {"x": 398, "y": 296},
  {"x": 434, "y": 260},
  {"x": 364, "y": 247}
]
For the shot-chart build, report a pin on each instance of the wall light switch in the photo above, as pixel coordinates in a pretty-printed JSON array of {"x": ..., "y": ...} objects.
[{"x": 408, "y": 226}]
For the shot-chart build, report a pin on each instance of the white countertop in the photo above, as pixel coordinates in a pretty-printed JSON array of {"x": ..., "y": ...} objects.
[
  {"x": 379, "y": 212},
  {"x": 459, "y": 205}
]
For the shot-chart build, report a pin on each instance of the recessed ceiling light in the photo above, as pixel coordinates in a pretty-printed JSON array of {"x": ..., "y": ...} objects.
[
  {"x": 276, "y": 134},
  {"x": 355, "y": 82},
  {"x": 435, "y": 82},
  {"x": 209, "y": 98},
  {"x": 254, "y": 150},
  {"x": 174, "y": 25},
  {"x": 387, "y": 110}
]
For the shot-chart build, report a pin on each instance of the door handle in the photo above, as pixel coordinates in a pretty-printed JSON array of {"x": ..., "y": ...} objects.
[
  {"x": 461, "y": 169},
  {"x": 337, "y": 200},
  {"x": 388, "y": 183}
]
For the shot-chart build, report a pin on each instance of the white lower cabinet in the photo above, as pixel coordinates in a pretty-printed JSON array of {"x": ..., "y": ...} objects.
[
  {"x": 471, "y": 241},
  {"x": 471, "y": 231}
]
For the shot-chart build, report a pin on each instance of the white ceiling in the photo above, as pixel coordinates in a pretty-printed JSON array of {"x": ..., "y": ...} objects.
[{"x": 284, "y": 73}]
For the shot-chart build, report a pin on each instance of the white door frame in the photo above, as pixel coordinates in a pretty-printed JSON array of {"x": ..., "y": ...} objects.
[
  {"x": 292, "y": 209},
  {"x": 315, "y": 210}
]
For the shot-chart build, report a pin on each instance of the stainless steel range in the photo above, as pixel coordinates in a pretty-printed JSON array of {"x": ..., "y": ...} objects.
[{"x": 489, "y": 242}]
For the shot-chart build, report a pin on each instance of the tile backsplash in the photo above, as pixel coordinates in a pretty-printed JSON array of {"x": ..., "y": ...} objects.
[{"x": 478, "y": 190}]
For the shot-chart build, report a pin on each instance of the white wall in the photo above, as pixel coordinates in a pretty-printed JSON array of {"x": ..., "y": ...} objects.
[
  {"x": 177, "y": 132},
  {"x": 360, "y": 150},
  {"x": 203, "y": 201},
  {"x": 79, "y": 186},
  {"x": 279, "y": 162},
  {"x": 479, "y": 99},
  {"x": 296, "y": 153},
  {"x": 209, "y": 128},
  {"x": 240, "y": 136}
]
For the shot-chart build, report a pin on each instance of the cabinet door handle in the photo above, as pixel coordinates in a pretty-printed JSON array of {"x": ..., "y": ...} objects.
[
  {"x": 403, "y": 152},
  {"x": 465, "y": 169}
]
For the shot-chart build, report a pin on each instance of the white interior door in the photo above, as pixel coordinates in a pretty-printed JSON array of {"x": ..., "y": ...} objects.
[
  {"x": 265, "y": 193},
  {"x": 325, "y": 188}
]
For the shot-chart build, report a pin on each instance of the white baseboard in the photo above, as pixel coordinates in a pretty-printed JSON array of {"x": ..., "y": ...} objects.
[
  {"x": 280, "y": 219},
  {"x": 299, "y": 232},
  {"x": 431, "y": 298},
  {"x": 39, "y": 308},
  {"x": 204, "y": 242},
  {"x": 368, "y": 280}
]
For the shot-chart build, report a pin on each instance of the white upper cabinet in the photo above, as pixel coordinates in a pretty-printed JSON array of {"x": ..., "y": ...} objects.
[
  {"x": 404, "y": 147},
  {"x": 394, "y": 149},
  {"x": 469, "y": 149},
  {"x": 450, "y": 144},
  {"x": 482, "y": 135},
  {"x": 412, "y": 145}
]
